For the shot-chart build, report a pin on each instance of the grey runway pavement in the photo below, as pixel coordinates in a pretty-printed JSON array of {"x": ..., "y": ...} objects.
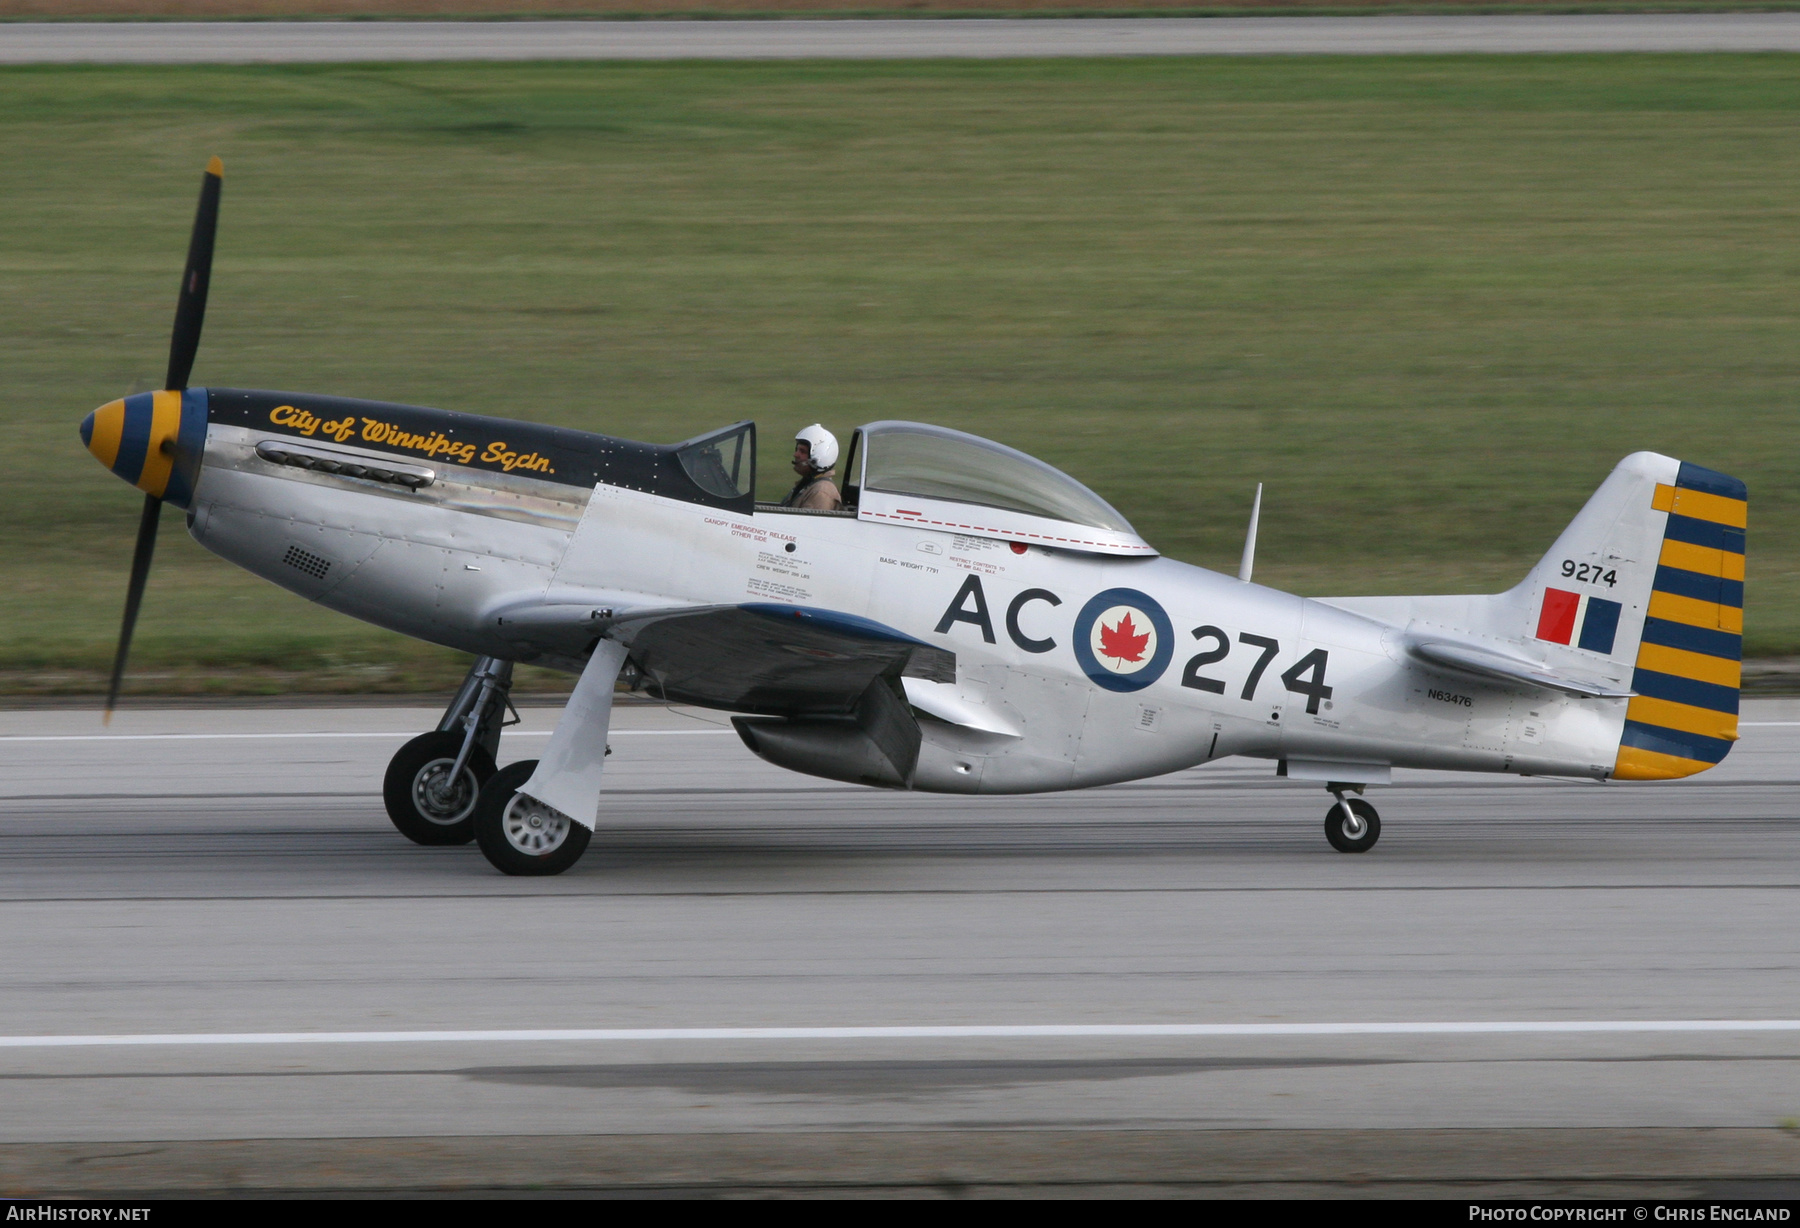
[
  {"x": 232, "y": 872},
  {"x": 325, "y": 41}
]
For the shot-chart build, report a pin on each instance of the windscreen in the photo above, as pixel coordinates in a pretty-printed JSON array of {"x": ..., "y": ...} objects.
[
  {"x": 722, "y": 464},
  {"x": 935, "y": 463}
]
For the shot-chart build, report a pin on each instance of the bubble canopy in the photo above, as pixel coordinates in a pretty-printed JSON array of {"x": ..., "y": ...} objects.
[{"x": 980, "y": 486}]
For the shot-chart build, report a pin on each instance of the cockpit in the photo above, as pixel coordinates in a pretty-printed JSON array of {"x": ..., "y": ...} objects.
[{"x": 934, "y": 478}]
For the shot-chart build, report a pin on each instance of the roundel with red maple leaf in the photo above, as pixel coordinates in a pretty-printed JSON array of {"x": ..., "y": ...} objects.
[{"x": 1123, "y": 640}]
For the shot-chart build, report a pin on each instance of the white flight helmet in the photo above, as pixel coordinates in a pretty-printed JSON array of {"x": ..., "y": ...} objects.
[{"x": 821, "y": 446}]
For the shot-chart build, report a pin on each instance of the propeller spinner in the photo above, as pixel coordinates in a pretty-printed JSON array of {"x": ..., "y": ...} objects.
[{"x": 155, "y": 440}]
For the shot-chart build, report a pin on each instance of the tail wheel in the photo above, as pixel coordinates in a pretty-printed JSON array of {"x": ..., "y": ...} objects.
[
  {"x": 423, "y": 800},
  {"x": 521, "y": 835},
  {"x": 1354, "y": 833}
]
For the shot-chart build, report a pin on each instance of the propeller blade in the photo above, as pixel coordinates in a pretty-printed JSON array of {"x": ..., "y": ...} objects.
[
  {"x": 190, "y": 308},
  {"x": 134, "y": 595}
]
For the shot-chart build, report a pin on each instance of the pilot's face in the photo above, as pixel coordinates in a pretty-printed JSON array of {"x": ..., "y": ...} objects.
[{"x": 802, "y": 457}]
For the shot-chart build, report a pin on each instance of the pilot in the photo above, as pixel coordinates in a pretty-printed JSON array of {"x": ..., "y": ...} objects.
[{"x": 815, "y": 452}]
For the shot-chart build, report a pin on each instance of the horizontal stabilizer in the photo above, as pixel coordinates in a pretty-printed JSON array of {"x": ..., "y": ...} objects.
[{"x": 1489, "y": 664}]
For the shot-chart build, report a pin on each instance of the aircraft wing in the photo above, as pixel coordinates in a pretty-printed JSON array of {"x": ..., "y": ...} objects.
[
  {"x": 1486, "y": 663},
  {"x": 755, "y": 657},
  {"x": 768, "y": 657}
]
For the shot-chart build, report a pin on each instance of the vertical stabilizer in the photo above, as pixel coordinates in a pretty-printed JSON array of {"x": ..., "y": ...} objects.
[
  {"x": 1642, "y": 593},
  {"x": 1650, "y": 574}
]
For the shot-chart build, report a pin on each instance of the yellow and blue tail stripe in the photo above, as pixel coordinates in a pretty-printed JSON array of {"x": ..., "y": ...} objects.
[
  {"x": 1684, "y": 716},
  {"x": 154, "y": 440}
]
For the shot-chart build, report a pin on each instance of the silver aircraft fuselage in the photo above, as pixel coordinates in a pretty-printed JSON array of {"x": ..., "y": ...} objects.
[{"x": 1211, "y": 666}]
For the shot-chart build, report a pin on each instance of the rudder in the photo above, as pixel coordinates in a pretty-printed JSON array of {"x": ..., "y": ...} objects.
[{"x": 1684, "y": 717}]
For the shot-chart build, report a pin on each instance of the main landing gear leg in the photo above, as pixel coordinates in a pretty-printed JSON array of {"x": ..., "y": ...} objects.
[
  {"x": 536, "y": 817},
  {"x": 434, "y": 780},
  {"x": 1351, "y": 824}
]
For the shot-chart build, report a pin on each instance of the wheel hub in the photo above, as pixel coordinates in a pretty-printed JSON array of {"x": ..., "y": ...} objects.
[
  {"x": 441, "y": 800},
  {"x": 532, "y": 827}
]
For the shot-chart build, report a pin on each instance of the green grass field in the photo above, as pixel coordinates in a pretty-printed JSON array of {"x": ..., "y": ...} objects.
[{"x": 1429, "y": 302}]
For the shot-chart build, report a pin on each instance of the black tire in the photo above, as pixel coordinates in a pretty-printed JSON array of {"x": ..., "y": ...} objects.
[
  {"x": 1334, "y": 827},
  {"x": 522, "y": 836},
  {"x": 421, "y": 817}
]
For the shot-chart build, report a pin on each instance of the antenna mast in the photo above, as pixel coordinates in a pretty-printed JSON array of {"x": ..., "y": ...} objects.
[{"x": 1249, "y": 562}]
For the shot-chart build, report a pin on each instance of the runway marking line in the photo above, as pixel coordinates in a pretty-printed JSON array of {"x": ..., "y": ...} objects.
[
  {"x": 407, "y": 733},
  {"x": 329, "y": 41},
  {"x": 1048, "y": 1031},
  {"x": 513, "y": 733}
]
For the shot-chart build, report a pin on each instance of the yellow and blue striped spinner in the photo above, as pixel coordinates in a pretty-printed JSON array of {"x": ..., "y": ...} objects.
[
  {"x": 153, "y": 440},
  {"x": 1684, "y": 716}
]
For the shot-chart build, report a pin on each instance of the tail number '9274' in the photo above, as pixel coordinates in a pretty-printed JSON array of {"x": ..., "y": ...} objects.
[
  {"x": 1590, "y": 573},
  {"x": 1306, "y": 677}
]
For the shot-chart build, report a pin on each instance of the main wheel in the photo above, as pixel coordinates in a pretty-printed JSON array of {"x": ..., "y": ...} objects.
[
  {"x": 521, "y": 835},
  {"x": 424, "y": 803},
  {"x": 1344, "y": 835}
]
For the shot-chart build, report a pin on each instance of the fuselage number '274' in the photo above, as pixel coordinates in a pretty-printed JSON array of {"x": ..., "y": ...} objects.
[{"x": 1307, "y": 677}]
